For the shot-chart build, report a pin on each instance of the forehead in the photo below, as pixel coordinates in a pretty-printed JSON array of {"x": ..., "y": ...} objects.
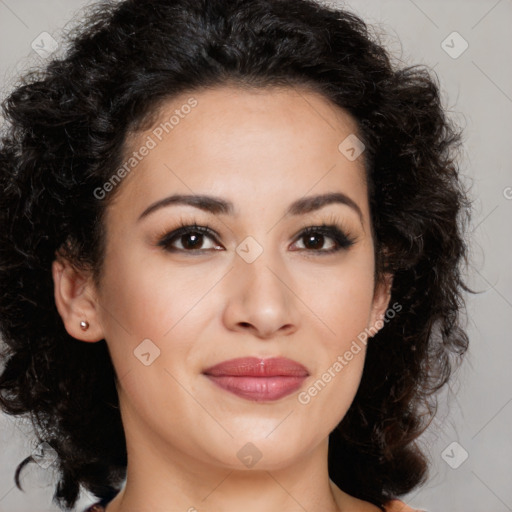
[{"x": 229, "y": 140}]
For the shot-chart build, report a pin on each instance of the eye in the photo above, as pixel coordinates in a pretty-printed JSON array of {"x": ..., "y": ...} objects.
[
  {"x": 189, "y": 238},
  {"x": 193, "y": 238},
  {"x": 315, "y": 237}
]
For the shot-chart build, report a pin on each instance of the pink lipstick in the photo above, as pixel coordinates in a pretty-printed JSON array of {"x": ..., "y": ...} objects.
[{"x": 258, "y": 379}]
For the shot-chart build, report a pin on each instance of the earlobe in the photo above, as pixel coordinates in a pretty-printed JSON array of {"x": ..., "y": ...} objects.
[{"x": 75, "y": 302}]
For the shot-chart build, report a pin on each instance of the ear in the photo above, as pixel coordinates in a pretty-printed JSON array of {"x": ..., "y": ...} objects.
[
  {"x": 381, "y": 298},
  {"x": 75, "y": 298}
]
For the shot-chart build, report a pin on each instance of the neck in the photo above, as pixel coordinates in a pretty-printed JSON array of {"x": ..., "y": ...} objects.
[{"x": 160, "y": 478}]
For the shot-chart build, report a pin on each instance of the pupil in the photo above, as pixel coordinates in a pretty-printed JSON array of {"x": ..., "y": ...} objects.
[
  {"x": 313, "y": 238},
  {"x": 196, "y": 240}
]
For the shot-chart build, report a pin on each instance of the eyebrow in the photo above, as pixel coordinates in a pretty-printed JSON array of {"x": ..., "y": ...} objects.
[{"x": 217, "y": 205}]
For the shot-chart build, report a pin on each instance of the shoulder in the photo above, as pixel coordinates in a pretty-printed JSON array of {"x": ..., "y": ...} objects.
[
  {"x": 100, "y": 506},
  {"x": 351, "y": 503},
  {"x": 391, "y": 506},
  {"x": 95, "y": 508},
  {"x": 398, "y": 506}
]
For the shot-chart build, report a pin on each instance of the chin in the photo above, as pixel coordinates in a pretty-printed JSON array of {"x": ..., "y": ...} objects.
[{"x": 261, "y": 453}]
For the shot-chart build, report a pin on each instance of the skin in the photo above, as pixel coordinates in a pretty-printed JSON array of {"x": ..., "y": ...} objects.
[{"x": 261, "y": 150}]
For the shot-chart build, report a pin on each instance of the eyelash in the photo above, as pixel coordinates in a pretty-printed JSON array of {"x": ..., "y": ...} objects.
[{"x": 329, "y": 229}]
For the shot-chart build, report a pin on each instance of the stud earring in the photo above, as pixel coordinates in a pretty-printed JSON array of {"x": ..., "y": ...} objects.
[{"x": 84, "y": 325}]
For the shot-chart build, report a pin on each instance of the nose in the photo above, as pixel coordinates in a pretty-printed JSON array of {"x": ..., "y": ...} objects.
[{"x": 260, "y": 299}]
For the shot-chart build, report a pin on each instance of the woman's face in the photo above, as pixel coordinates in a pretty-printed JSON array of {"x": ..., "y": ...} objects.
[{"x": 254, "y": 285}]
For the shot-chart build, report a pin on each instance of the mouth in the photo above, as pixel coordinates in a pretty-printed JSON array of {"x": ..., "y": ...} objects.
[{"x": 258, "y": 379}]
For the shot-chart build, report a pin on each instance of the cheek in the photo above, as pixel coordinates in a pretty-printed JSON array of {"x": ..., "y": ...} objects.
[
  {"x": 330, "y": 393},
  {"x": 150, "y": 329},
  {"x": 147, "y": 297},
  {"x": 149, "y": 300},
  {"x": 344, "y": 306},
  {"x": 341, "y": 299}
]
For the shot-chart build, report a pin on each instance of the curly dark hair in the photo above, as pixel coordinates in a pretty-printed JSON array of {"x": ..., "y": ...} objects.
[{"x": 65, "y": 133}]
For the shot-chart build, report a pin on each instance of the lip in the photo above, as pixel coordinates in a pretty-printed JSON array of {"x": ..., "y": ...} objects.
[{"x": 258, "y": 379}]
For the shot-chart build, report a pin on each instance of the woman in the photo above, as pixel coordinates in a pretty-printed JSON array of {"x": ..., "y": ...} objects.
[{"x": 232, "y": 235}]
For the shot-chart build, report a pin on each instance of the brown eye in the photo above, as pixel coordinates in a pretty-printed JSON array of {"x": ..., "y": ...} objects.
[
  {"x": 189, "y": 239},
  {"x": 315, "y": 237}
]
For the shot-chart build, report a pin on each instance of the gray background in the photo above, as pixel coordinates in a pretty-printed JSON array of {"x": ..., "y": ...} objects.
[{"x": 476, "y": 410}]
